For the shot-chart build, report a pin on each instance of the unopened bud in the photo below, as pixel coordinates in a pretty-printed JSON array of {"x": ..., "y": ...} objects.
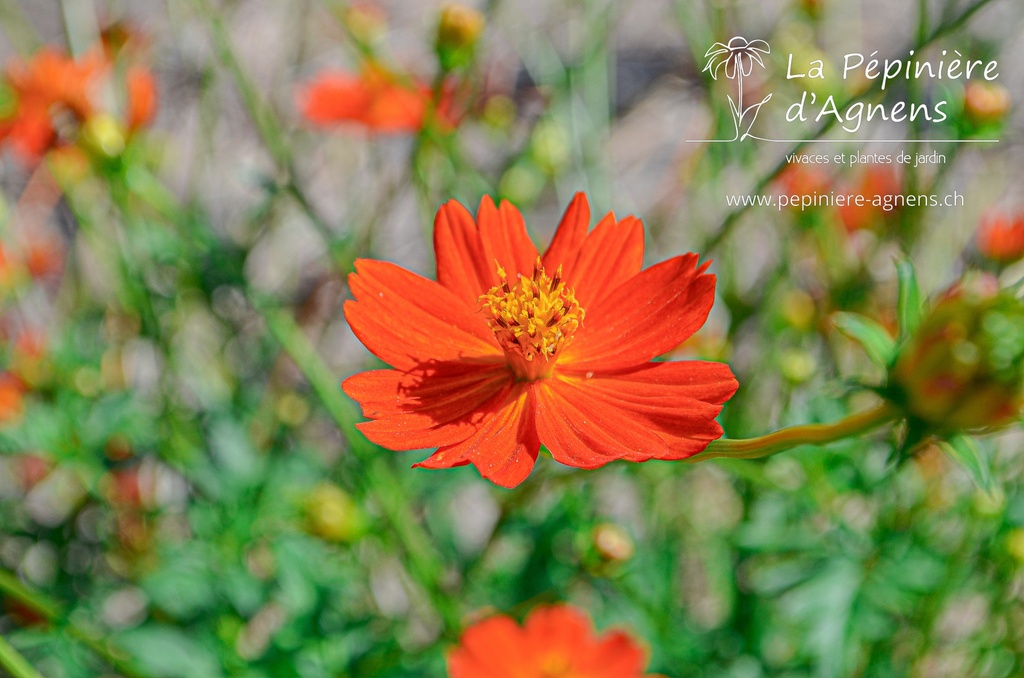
[
  {"x": 332, "y": 515},
  {"x": 458, "y": 31},
  {"x": 964, "y": 367}
]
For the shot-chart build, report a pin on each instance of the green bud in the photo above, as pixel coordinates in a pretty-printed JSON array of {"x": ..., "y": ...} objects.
[{"x": 963, "y": 368}]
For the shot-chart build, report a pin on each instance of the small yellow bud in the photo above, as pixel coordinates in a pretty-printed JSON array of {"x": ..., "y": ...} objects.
[
  {"x": 986, "y": 102},
  {"x": 102, "y": 135},
  {"x": 458, "y": 30},
  {"x": 613, "y": 543},
  {"x": 332, "y": 515}
]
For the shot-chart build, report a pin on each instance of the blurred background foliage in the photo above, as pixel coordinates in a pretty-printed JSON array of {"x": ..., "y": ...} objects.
[{"x": 182, "y": 490}]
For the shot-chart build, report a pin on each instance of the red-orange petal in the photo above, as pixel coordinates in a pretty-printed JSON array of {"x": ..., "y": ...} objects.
[
  {"x": 411, "y": 323},
  {"x": 461, "y": 264},
  {"x": 417, "y": 410},
  {"x": 335, "y": 97},
  {"x": 492, "y": 648},
  {"x": 504, "y": 240},
  {"x": 504, "y": 447},
  {"x": 610, "y": 255},
  {"x": 644, "y": 317},
  {"x": 678, "y": 401},
  {"x": 141, "y": 88},
  {"x": 569, "y": 236},
  {"x": 585, "y": 432}
]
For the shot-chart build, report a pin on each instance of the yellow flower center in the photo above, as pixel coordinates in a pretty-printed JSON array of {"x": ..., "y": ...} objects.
[
  {"x": 556, "y": 666},
  {"x": 535, "y": 318}
]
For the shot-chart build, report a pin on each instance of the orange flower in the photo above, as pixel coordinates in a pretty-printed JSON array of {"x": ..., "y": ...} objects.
[
  {"x": 879, "y": 184},
  {"x": 53, "y": 95},
  {"x": 375, "y": 99},
  {"x": 556, "y": 641},
  {"x": 48, "y": 86},
  {"x": 1000, "y": 236},
  {"x": 11, "y": 392},
  {"x": 509, "y": 349}
]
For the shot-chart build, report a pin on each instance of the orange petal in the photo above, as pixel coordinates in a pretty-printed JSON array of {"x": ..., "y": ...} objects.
[
  {"x": 504, "y": 446},
  {"x": 412, "y": 323},
  {"x": 141, "y": 97},
  {"x": 504, "y": 240},
  {"x": 492, "y": 648},
  {"x": 569, "y": 236},
  {"x": 678, "y": 401},
  {"x": 583, "y": 431},
  {"x": 616, "y": 656},
  {"x": 611, "y": 254},
  {"x": 334, "y": 97},
  {"x": 648, "y": 315},
  {"x": 413, "y": 411},
  {"x": 461, "y": 264}
]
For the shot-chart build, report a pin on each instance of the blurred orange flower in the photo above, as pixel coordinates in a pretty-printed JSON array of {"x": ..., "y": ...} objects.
[
  {"x": 46, "y": 87},
  {"x": 376, "y": 99},
  {"x": 11, "y": 391},
  {"x": 556, "y": 641},
  {"x": 878, "y": 184},
  {"x": 1000, "y": 236},
  {"x": 52, "y": 94},
  {"x": 508, "y": 349}
]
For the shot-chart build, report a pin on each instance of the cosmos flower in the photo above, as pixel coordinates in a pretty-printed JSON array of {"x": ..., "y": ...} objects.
[
  {"x": 556, "y": 641},
  {"x": 1000, "y": 236},
  {"x": 52, "y": 97},
  {"x": 48, "y": 90},
  {"x": 738, "y": 57},
  {"x": 377, "y": 99},
  {"x": 509, "y": 350}
]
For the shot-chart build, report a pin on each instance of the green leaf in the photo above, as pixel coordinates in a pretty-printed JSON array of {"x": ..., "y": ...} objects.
[
  {"x": 167, "y": 652},
  {"x": 908, "y": 303},
  {"x": 880, "y": 347},
  {"x": 965, "y": 451}
]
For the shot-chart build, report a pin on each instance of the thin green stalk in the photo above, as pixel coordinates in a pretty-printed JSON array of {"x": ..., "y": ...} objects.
[
  {"x": 12, "y": 662},
  {"x": 53, "y": 612},
  {"x": 263, "y": 118},
  {"x": 423, "y": 560},
  {"x": 794, "y": 436}
]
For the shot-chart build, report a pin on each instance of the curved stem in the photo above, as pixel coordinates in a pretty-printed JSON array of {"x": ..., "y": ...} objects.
[{"x": 794, "y": 436}]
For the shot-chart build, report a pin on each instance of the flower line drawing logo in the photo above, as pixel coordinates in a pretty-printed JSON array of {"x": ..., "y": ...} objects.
[{"x": 738, "y": 56}]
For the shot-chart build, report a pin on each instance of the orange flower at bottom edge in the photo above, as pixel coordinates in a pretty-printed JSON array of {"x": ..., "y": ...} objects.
[
  {"x": 1000, "y": 236},
  {"x": 555, "y": 641},
  {"x": 509, "y": 350},
  {"x": 375, "y": 98}
]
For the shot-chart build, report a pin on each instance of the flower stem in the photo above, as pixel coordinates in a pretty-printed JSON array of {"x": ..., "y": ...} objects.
[
  {"x": 794, "y": 436},
  {"x": 12, "y": 662},
  {"x": 49, "y": 609},
  {"x": 423, "y": 561}
]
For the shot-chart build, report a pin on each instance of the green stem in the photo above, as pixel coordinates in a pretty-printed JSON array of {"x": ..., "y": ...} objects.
[
  {"x": 16, "y": 665},
  {"x": 794, "y": 436},
  {"x": 49, "y": 609},
  {"x": 380, "y": 480}
]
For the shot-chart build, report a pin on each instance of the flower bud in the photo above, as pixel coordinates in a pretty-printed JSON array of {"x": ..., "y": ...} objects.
[
  {"x": 332, "y": 515},
  {"x": 613, "y": 543},
  {"x": 964, "y": 366},
  {"x": 103, "y": 136},
  {"x": 458, "y": 30},
  {"x": 986, "y": 102}
]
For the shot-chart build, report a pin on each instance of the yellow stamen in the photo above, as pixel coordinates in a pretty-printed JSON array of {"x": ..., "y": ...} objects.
[{"x": 535, "y": 317}]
